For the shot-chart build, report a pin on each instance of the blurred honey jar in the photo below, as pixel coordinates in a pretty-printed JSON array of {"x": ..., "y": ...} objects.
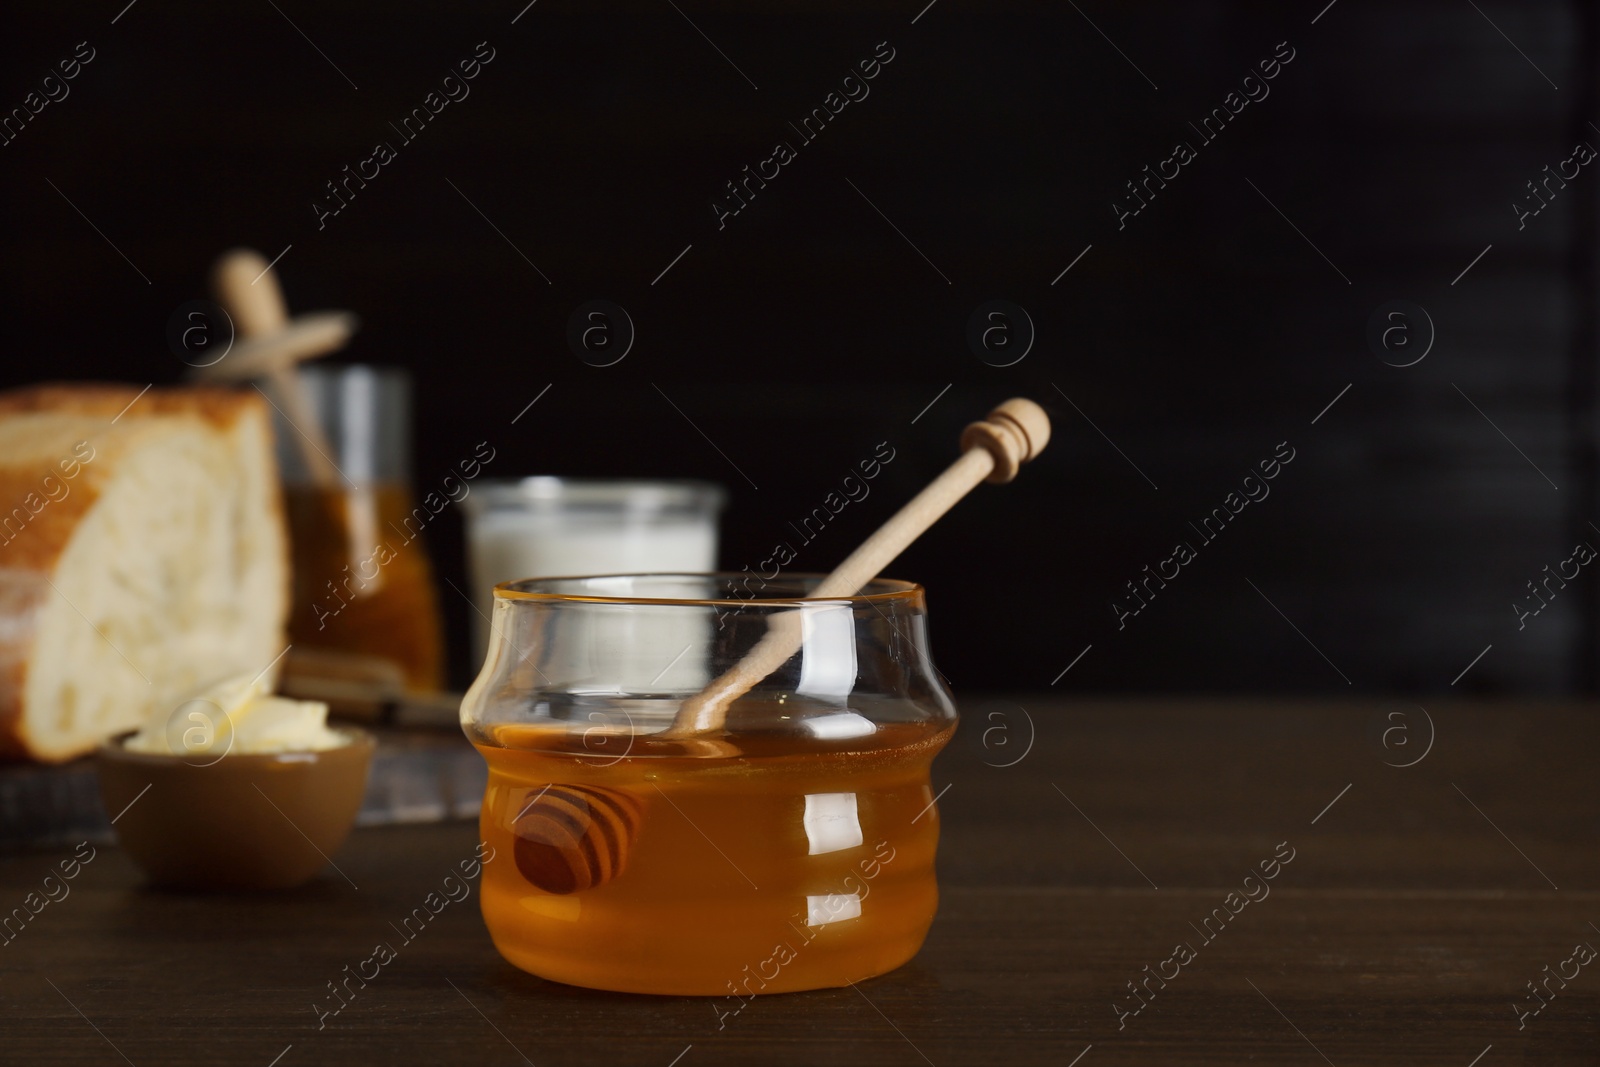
[{"x": 363, "y": 584}]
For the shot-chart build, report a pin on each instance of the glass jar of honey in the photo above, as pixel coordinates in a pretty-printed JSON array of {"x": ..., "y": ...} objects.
[
  {"x": 788, "y": 847},
  {"x": 363, "y": 584}
]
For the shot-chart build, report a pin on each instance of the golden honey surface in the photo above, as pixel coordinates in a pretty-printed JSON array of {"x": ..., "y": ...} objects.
[
  {"x": 791, "y": 863},
  {"x": 368, "y": 591}
]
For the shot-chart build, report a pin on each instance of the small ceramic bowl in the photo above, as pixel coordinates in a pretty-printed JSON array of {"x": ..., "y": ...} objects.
[{"x": 241, "y": 822}]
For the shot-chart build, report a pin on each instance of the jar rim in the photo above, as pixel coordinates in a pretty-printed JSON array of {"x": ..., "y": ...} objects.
[
  {"x": 633, "y": 495},
  {"x": 881, "y": 590}
]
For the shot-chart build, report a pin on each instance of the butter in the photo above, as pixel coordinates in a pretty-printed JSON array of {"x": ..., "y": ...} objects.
[{"x": 239, "y": 715}]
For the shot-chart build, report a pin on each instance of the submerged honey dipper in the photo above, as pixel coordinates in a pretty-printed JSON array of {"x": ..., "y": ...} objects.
[{"x": 571, "y": 838}]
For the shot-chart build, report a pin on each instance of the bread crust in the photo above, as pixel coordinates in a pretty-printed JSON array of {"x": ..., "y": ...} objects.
[
  {"x": 37, "y": 549},
  {"x": 216, "y": 404},
  {"x": 19, "y": 600}
]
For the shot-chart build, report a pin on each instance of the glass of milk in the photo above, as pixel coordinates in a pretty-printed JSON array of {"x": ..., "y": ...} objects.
[{"x": 548, "y": 527}]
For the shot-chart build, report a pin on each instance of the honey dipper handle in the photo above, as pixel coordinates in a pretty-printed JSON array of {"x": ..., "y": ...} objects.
[
  {"x": 993, "y": 450},
  {"x": 247, "y": 286}
]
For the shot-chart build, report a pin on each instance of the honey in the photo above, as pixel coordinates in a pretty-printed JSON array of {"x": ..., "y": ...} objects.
[
  {"x": 776, "y": 863},
  {"x": 362, "y": 581}
]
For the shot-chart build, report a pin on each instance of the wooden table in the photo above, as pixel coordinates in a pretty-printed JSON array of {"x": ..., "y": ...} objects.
[{"x": 1419, "y": 902}]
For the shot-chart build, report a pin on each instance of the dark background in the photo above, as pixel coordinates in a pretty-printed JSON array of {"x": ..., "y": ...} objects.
[{"x": 808, "y": 330}]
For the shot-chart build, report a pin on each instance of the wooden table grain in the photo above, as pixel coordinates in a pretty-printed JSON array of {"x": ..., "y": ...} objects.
[{"x": 1442, "y": 859}]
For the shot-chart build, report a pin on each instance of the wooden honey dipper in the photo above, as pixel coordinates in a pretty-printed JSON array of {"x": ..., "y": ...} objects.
[
  {"x": 570, "y": 838},
  {"x": 271, "y": 346}
]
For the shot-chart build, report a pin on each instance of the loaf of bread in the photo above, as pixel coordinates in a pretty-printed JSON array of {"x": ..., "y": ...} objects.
[{"x": 143, "y": 555}]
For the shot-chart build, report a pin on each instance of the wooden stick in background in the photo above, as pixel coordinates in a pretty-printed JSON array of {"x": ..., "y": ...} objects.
[
  {"x": 247, "y": 288},
  {"x": 271, "y": 348}
]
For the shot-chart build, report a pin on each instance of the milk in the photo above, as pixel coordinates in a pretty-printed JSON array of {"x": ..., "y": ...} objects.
[{"x": 548, "y": 527}]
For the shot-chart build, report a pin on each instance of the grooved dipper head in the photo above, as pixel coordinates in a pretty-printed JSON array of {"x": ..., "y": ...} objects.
[{"x": 1014, "y": 433}]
